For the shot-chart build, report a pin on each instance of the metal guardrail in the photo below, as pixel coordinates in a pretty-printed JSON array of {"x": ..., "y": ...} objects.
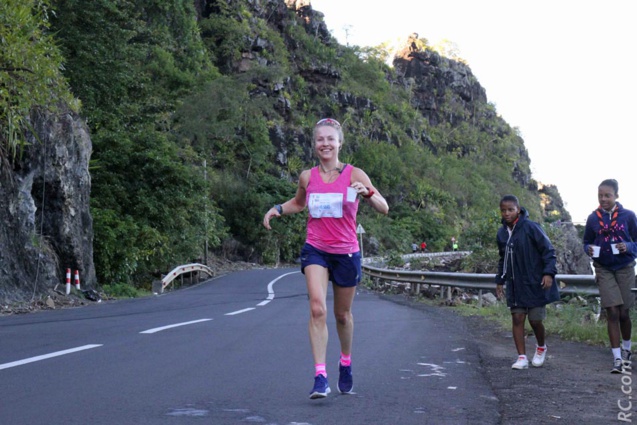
[
  {"x": 180, "y": 270},
  {"x": 435, "y": 254},
  {"x": 569, "y": 284}
]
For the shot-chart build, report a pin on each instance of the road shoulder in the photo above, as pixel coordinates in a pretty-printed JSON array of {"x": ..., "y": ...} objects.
[{"x": 574, "y": 386}]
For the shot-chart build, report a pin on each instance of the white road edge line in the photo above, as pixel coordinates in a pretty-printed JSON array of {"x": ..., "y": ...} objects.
[
  {"x": 271, "y": 289},
  {"x": 267, "y": 300},
  {"x": 163, "y": 328},
  {"x": 48, "y": 356}
]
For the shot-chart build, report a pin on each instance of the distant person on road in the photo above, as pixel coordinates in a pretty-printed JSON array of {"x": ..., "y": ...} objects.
[
  {"x": 609, "y": 237},
  {"x": 423, "y": 247},
  {"x": 331, "y": 192},
  {"x": 414, "y": 247},
  {"x": 455, "y": 245},
  {"x": 528, "y": 267}
]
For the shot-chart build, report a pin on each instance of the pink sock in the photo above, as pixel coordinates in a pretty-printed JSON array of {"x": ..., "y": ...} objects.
[
  {"x": 346, "y": 360},
  {"x": 320, "y": 369}
]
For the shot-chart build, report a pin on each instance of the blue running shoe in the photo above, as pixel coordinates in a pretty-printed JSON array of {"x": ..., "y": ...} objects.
[
  {"x": 321, "y": 387},
  {"x": 345, "y": 380}
]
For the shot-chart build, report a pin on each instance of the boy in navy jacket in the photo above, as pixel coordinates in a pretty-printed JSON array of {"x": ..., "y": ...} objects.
[
  {"x": 528, "y": 267},
  {"x": 609, "y": 237}
]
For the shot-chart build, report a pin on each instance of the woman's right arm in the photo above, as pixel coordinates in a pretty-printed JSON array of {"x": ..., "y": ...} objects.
[
  {"x": 501, "y": 248},
  {"x": 292, "y": 206},
  {"x": 499, "y": 282},
  {"x": 589, "y": 237}
]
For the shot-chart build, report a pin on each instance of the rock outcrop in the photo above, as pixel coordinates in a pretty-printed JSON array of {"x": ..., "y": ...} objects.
[
  {"x": 44, "y": 209},
  {"x": 438, "y": 82},
  {"x": 572, "y": 260},
  {"x": 431, "y": 77}
]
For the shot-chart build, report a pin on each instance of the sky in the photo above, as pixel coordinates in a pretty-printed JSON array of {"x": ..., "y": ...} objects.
[{"x": 560, "y": 71}]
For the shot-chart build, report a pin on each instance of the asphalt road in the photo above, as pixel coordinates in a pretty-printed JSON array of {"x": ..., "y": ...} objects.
[{"x": 235, "y": 350}]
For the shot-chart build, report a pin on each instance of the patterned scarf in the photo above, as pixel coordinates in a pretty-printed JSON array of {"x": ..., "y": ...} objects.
[{"x": 604, "y": 229}]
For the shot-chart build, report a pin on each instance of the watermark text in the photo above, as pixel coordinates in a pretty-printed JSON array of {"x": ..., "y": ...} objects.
[{"x": 625, "y": 404}]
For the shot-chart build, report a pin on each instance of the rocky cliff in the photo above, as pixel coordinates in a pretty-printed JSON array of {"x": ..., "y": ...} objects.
[
  {"x": 44, "y": 208},
  {"x": 446, "y": 91},
  {"x": 571, "y": 260}
]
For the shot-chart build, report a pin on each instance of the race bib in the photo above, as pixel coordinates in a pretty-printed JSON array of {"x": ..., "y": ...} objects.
[{"x": 323, "y": 205}]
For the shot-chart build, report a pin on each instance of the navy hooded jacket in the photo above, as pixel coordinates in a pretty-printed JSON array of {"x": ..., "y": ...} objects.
[
  {"x": 605, "y": 231},
  {"x": 525, "y": 258}
]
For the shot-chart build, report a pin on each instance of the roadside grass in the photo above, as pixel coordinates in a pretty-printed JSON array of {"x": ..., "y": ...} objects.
[
  {"x": 572, "y": 321},
  {"x": 573, "y": 318},
  {"x": 123, "y": 290}
]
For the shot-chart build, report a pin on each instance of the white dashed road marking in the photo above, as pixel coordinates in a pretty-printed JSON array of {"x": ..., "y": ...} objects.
[
  {"x": 152, "y": 331},
  {"x": 239, "y": 311},
  {"x": 48, "y": 356},
  {"x": 269, "y": 298}
]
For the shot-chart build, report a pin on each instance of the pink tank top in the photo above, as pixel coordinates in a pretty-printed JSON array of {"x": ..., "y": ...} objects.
[{"x": 331, "y": 223}]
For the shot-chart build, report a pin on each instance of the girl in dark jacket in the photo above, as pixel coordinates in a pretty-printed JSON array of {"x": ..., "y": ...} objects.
[
  {"x": 610, "y": 238},
  {"x": 528, "y": 267}
]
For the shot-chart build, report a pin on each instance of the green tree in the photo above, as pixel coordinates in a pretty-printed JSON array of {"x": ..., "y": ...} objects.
[
  {"x": 30, "y": 65},
  {"x": 132, "y": 62}
]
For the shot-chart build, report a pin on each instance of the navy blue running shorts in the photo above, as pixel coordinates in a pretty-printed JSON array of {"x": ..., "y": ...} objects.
[{"x": 344, "y": 269}]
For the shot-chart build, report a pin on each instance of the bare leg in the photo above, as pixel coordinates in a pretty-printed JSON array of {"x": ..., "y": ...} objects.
[
  {"x": 612, "y": 323},
  {"x": 343, "y": 299},
  {"x": 518, "y": 332},
  {"x": 625, "y": 324},
  {"x": 539, "y": 331},
  {"x": 317, "y": 279}
]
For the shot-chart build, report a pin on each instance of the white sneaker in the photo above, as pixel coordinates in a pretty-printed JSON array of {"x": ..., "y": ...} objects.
[
  {"x": 521, "y": 363},
  {"x": 539, "y": 357},
  {"x": 626, "y": 355}
]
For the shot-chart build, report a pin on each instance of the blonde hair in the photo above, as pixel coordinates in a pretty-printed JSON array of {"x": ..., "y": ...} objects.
[{"x": 332, "y": 123}]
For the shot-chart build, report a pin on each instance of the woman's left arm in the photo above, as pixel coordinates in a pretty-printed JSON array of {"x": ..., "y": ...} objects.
[
  {"x": 545, "y": 250},
  {"x": 632, "y": 232},
  {"x": 364, "y": 187}
]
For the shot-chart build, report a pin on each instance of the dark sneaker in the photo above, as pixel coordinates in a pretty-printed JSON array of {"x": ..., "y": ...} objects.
[
  {"x": 321, "y": 387},
  {"x": 345, "y": 380},
  {"x": 626, "y": 355},
  {"x": 617, "y": 366}
]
